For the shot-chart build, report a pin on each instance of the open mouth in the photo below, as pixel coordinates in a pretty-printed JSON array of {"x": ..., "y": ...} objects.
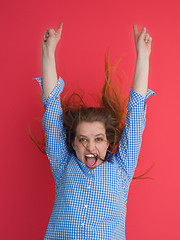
[{"x": 91, "y": 160}]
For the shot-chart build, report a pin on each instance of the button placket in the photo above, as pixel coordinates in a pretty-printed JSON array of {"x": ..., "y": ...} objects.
[{"x": 89, "y": 178}]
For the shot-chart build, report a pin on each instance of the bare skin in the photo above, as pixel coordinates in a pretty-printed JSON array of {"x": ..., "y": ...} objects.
[
  {"x": 143, "y": 50},
  {"x": 49, "y": 74},
  {"x": 90, "y": 143},
  {"x": 87, "y": 139}
]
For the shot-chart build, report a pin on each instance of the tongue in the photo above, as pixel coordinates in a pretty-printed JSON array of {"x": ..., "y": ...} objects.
[{"x": 90, "y": 161}]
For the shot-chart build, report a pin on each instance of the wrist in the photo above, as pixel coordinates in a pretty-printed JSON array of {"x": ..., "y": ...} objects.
[
  {"x": 142, "y": 60},
  {"x": 48, "y": 52}
]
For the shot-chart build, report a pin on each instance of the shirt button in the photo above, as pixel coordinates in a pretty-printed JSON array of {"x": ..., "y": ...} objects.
[
  {"x": 85, "y": 206},
  {"x": 88, "y": 187}
]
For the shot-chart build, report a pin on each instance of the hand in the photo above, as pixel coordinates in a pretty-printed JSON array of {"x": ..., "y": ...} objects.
[
  {"x": 142, "y": 42},
  {"x": 51, "y": 38}
]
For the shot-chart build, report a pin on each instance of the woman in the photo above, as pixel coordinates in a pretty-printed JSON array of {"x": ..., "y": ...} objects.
[{"x": 91, "y": 180}]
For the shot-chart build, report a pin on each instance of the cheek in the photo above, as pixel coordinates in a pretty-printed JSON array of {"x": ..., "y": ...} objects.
[
  {"x": 78, "y": 146},
  {"x": 103, "y": 149}
]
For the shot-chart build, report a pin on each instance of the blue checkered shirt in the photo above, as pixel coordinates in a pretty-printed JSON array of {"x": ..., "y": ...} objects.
[{"x": 91, "y": 205}]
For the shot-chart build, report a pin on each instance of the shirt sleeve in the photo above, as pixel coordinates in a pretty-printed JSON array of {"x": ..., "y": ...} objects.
[
  {"x": 131, "y": 138},
  {"x": 55, "y": 136}
]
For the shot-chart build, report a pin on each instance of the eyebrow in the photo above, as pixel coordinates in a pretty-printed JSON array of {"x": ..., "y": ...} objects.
[{"x": 99, "y": 134}]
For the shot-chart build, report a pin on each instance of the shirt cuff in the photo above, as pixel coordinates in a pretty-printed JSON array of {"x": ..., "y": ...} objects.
[
  {"x": 135, "y": 98},
  {"x": 55, "y": 92}
]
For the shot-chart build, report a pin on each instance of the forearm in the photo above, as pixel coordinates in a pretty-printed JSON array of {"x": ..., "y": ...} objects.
[
  {"x": 49, "y": 74},
  {"x": 140, "y": 81}
]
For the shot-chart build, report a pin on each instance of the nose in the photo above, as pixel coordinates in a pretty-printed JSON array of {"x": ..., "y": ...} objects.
[{"x": 91, "y": 146}]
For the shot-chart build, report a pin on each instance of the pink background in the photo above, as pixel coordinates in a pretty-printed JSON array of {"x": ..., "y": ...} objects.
[{"x": 90, "y": 28}]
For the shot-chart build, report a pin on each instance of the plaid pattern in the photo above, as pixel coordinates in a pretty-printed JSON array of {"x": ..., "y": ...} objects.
[{"x": 91, "y": 205}]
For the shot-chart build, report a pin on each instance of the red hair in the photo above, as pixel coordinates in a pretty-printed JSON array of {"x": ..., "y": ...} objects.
[{"x": 111, "y": 111}]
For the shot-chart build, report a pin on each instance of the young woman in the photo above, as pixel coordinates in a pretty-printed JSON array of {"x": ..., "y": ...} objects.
[{"x": 91, "y": 180}]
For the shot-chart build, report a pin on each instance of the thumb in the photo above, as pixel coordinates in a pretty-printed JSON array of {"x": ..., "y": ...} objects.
[{"x": 142, "y": 34}]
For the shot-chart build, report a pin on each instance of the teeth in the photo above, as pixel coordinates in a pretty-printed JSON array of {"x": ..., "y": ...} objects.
[{"x": 90, "y": 155}]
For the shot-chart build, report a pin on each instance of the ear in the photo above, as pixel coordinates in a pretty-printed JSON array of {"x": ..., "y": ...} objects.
[{"x": 73, "y": 146}]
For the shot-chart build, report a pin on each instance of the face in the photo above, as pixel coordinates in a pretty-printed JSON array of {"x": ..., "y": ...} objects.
[{"x": 90, "y": 143}]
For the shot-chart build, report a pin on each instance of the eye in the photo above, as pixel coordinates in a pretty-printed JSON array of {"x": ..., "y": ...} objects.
[
  {"x": 99, "y": 139},
  {"x": 82, "y": 140}
]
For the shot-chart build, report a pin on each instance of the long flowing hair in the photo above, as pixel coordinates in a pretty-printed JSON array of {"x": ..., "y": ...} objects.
[{"x": 110, "y": 110}]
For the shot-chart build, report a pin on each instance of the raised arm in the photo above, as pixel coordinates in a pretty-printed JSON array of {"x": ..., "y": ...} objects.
[
  {"x": 143, "y": 50},
  {"x": 49, "y": 74},
  {"x": 55, "y": 135},
  {"x": 131, "y": 138}
]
